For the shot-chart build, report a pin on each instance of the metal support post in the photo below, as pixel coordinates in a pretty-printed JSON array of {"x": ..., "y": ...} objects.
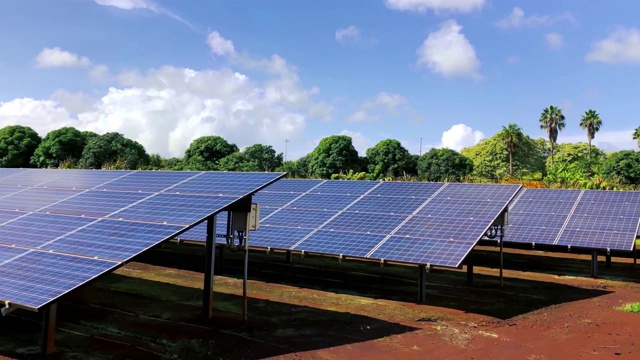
[
  {"x": 288, "y": 257},
  {"x": 469, "y": 274},
  {"x": 608, "y": 260},
  {"x": 245, "y": 306},
  {"x": 422, "y": 272},
  {"x": 501, "y": 255},
  {"x": 594, "y": 264},
  {"x": 207, "y": 298},
  {"x": 49, "y": 329},
  {"x": 635, "y": 256}
]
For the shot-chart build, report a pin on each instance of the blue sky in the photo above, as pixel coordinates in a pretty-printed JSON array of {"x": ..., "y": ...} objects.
[{"x": 164, "y": 72}]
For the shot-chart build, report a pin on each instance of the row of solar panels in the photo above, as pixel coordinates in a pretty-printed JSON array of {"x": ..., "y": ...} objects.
[
  {"x": 353, "y": 218},
  {"x": 62, "y": 228}
]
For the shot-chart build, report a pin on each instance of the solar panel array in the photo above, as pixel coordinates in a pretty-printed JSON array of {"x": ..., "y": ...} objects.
[
  {"x": 594, "y": 219},
  {"x": 62, "y": 228},
  {"x": 411, "y": 222}
]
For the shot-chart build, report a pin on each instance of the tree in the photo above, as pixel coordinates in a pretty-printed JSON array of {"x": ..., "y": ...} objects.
[
  {"x": 262, "y": 157},
  {"x": 389, "y": 158},
  {"x": 623, "y": 166},
  {"x": 491, "y": 158},
  {"x": 296, "y": 169},
  {"x": 205, "y": 152},
  {"x": 115, "y": 151},
  {"x": 333, "y": 155},
  {"x": 636, "y": 135},
  {"x": 572, "y": 154},
  {"x": 552, "y": 120},
  {"x": 512, "y": 136},
  {"x": 591, "y": 122},
  {"x": 64, "y": 144},
  {"x": 444, "y": 165},
  {"x": 17, "y": 145}
]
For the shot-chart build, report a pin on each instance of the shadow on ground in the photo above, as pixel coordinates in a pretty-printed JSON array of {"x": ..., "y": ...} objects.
[
  {"x": 445, "y": 288},
  {"x": 127, "y": 317}
]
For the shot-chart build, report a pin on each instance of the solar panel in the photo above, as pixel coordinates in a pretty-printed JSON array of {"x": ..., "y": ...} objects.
[
  {"x": 310, "y": 219},
  {"x": 276, "y": 237},
  {"x": 593, "y": 219},
  {"x": 423, "y": 251},
  {"x": 344, "y": 187},
  {"x": 407, "y": 189},
  {"x": 322, "y": 202},
  {"x": 341, "y": 243},
  {"x": 61, "y": 236},
  {"x": 269, "y": 199},
  {"x": 365, "y": 222},
  {"x": 294, "y": 186}
]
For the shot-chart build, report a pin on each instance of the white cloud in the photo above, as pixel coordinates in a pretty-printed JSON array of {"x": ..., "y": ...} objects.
[
  {"x": 99, "y": 73},
  {"x": 56, "y": 57},
  {"x": 517, "y": 19},
  {"x": 384, "y": 103},
  {"x": 622, "y": 46},
  {"x": 605, "y": 140},
  {"x": 42, "y": 115},
  {"x": 554, "y": 40},
  {"x": 460, "y": 136},
  {"x": 449, "y": 53},
  {"x": 77, "y": 102},
  {"x": 353, "y": 35},
  {"x": 219, "y": 45},
  {"x": 143, "y": 5},
  {"x": 422, "y": 6},
  {"x": 359, "y": 140}
]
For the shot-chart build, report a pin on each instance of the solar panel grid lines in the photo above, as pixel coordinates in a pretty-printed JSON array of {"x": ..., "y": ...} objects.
[
  {"x": 153, "y": 181},
  {"x": 375, "y": 248},
  {"x": 33, "y": 199},
  {"x": 333, "y": 217},
  {"x": 353, "y": 244},
  {"x": 35, "y": 229},
  {"x": 301, "y": 195},
  {"x": 226, "y": 183},
  {"x": 298, "y": 186},
  {"x": 345, "y": 187},
  {"x": 569, "y": 217},
  {"x": 420, "y": 251},
  {"x": 406, "y": 189},
  {"x": 9, "y": 253},
  {"x": 323, "y": 201}
]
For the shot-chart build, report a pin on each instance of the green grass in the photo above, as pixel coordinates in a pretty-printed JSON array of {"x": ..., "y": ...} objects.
[
  {"x": 631, "y": 307},
  {"x": 637, "y": 241}
]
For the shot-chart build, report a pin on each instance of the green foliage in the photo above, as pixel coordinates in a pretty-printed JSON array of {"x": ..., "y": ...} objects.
[
  {"x": 113, "y": 150},
  {"x": 591, "y": 122},
  {"x": 205, "y": 153},
  {"x": 636, "y": 135},
  {"x": 623, "y": 166},
  {"x": 351, "y": 175},
  {"x": 490, "y": 158},
  {"x": 296, "y": 169},
  {"x": 444, "y": 165},
  {"x": 64, "y": 144},
  {"x": 512, "y": 137},
  {"x": 631, "y": 307},
  {"x": 552, "y": 120},
  {"x": 17, "y": 145},
  {"x": 576, "y": 155},
  {"x": 334, "y": 154},
  {"x": 389, "y": 158},
  {"x": 262, "y": 158}
]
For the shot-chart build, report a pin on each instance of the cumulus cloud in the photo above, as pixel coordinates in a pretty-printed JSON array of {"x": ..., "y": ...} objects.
[
  {"x": 554, "y": 40},
  {"x": 42, "y": 115},
  {"x": 384, "y": 103},
  {"x": 460, "y": 136},
  {"x": 219, "y": 45},
  {"x": 422, "y": 6},
  {"x": 74, "y": 102},
  {"x": 449, "y": 53},
  {"x": 143, "y": 5},
  {"x": 56, "y": 57},
  {"x": 518, "y": 19},
  {"x": 352, "y": 35},
  {"x": 622, "y": 46}
]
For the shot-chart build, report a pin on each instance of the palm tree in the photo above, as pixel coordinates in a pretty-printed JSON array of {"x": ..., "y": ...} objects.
[
  {"x": 552, "y": 120},
  {"x": 512, "y": 136},
  {"x": 636, "y": 135},
  {"x": 591, "y": 122}
]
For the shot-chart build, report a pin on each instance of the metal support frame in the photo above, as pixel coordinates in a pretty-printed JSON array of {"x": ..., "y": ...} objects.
[
  {"x": 635, "y": 256},
  {"x": 210, "y": 248},
  {"x": 288, "y": 257},
  {"x": 594, "y": 264},
  {"x": 49, "y": 329},
  {"x": 608, "y": 260},
  {"x": 501, "y": 255},
  {"x": 422, "y": 274},
  {"x": 469, "y": 274}
]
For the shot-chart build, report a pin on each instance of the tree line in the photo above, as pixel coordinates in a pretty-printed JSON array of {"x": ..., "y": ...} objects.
[{"x": 508, "y": 156}]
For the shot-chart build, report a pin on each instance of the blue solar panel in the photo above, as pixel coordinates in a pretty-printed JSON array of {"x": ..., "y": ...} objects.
[
  {"x": 6, "y": 172},
  {"x": 277, "y": 237},
  {"x": 591, "y": 239},
  {"x": 35, "y": 198},
  {"x": 148, "y": 181},
  {"x": 444, "y": 228},
  {"x": 199, "y": 232},
  {"x": 387, "y": 205},
  {"x": 424, "y": 251},
  {"x": 293, "y": 185},
  {"x": 6, "y": 215},
  {"x": 8, "y": 190},
  {"x": 531, "y": 235},
  {"x": 340, "y": 243},
  {"x": 298, "y": 218},
  {"x": 37, "y": 278},
  {"x": 344, "y": 187},
  {"x": 113, "y": 239},
  {"x": 263, "y": 198},
  {"x": 365, "y": 222},
  {"x": 174, "y": 208},
  {"x": 7, "y": 253},
  {"x": 472, "y": 192},
  {"x": 95, "y": 203},
  {"x": 407, "y": 189},
  {"x": 323, "y": 202},
  {"x": 537, "y": 220},
  {"x": 30, "y": 177},
  {"x": 462, "y": 209},
  {"x": 34, "y": 230},
  {"x": 544, "y": 207},
  {"x": 84, "y": 179},
  {"x": 238, "y": 184}
]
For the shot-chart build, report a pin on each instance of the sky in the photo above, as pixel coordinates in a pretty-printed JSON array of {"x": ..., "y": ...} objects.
[{"x": 287, "y": 73}]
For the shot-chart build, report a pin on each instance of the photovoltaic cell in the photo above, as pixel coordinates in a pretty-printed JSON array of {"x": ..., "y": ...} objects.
[
  {"x": 7, "y": 253},
  {"x": 344, "y": 187},
  {"x": 444, "y": 228},
  {"x": 277, "y": 237},
  {"x": 5, "y": 172},
  {"x": 292, "y": 185},
  {"x": 309, "y": 219},
  {"x": 113, "y": 239},
  {"x": 6, "y": 215},
  {"x": 30, "y": 177},
  {"x": 94, "y": 203},
  {"x": 340, "y": 243},
  {"x": 238, "y": 184},
  {"x": 8, "y": 190},
  {"x": 323, "y": 202},
  {"x": 34, "y": 230},
  {"x": 365, "y": 222},
  {"x": 269, "y": 199},
  {"x": 424, "y": 251},
  {"x": 152, "y": 181},
  {"x": 37, "y": 278},
  {"x": 387, "y": 205},
  {"x": 531, "y": 235},
  {"x": 84, "y": 179},
  {"x": 35, "y": 198},
  {"x": 407, "y": 189},
  {"x": 473, "y": 192},
  {"x": 462, "y": 209}
]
